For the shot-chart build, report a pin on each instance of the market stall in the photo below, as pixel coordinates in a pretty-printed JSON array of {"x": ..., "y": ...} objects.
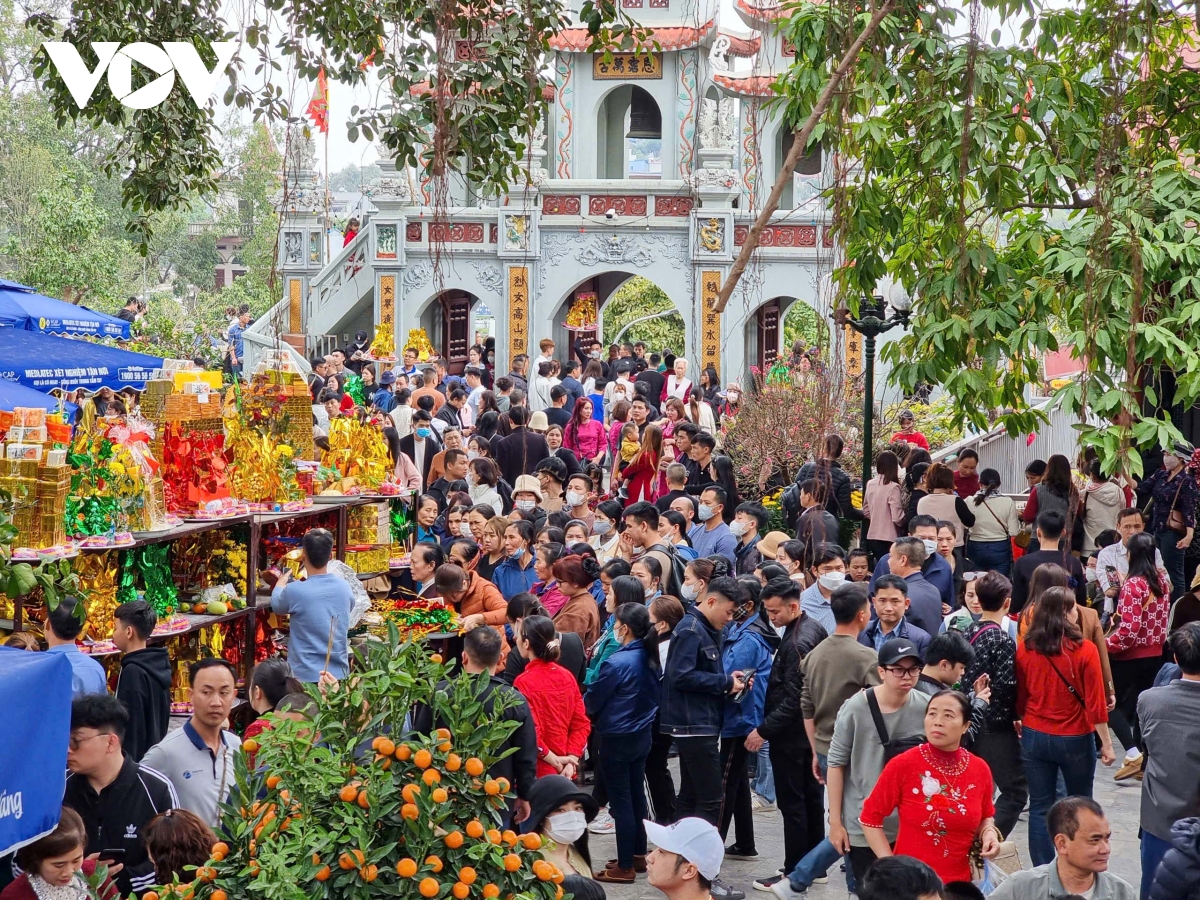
[
  {"x": 188, "y": 504},
  {"x": 35, "y": 689},
  {"x": 24, "y": 308},
  {"x": 44, "y": 362}
]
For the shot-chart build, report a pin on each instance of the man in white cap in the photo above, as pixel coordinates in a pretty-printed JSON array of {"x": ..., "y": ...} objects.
[{"x": 686, "y": 858}]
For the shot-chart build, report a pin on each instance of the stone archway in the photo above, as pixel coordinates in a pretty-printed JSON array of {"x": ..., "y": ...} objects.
[{"x": 603, "y": 286}]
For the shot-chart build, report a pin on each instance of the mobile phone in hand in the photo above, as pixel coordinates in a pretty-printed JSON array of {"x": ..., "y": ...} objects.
[
  {"x": 112, "y": 857},
  {"x": 747, "y": 678}
]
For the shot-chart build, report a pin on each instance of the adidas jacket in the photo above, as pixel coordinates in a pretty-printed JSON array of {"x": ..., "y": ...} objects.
[{"x": 116, "y": 817}]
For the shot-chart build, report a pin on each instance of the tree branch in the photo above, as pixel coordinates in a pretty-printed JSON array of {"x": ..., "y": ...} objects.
[
  {"x": 1081, "y": 204},
  {"x": 797, "y": 150}
]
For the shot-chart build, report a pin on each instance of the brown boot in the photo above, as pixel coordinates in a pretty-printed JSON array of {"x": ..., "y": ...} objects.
[
  {"x": 616, "y": 876},
  {"x": 639, "y": 864}
]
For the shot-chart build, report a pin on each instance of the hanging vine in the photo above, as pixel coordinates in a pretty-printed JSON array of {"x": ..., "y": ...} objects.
[{"x": 438, "y": 111}]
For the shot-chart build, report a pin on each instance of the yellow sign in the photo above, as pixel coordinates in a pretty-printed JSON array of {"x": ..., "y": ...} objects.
[
  {"x": 710, "y": 327},
  {"x": 387, "y": 302},
  {"x": 295, "y": 320},
  {"x": 854, "y": 352},
  {"x": 627, "y": 66},
  {"x": 518, "y": 310}
]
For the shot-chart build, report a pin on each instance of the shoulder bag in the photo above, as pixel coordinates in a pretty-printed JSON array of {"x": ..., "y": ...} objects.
[
  {"x": 1063, "y": 679},
  {"x": 891, "y": 748},
  {"x": 1175, "y": 517}
]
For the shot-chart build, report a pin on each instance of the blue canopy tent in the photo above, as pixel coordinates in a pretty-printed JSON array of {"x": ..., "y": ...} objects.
[
  {"x": 35, "y": 690},
  {"x": 13, "y": 395},
  {"x": 43, "y": 362},
  {"x": 22, "y": 307}
]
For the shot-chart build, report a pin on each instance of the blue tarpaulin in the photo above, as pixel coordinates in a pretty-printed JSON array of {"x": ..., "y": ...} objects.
[
  {"x": 22, "y": 307},
  {"x": 43, "y": 362},
  {"x": 13, "y": 395},
  {"x": 35, "y": 688}
]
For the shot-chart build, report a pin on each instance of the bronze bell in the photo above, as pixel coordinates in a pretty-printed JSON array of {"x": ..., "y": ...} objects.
[{"x": 645, "y": 120}]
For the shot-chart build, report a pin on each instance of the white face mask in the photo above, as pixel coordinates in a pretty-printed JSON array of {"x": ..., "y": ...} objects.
[
  {"x": 739, "y": 528},
  {"x": 688, "y": 592},
  {"x": 464, "y": 528},
  {"x": 526, "y": 505},
  {"x": 832, "y": 580},
  {"x": 574, "y": 498},
  {"x": 601, "y": 527},
  {"x": 930, "y": 546},
  {"x": 705, "y": 513},
  {"x": 1090, "y": 575},
  {"x": 471, "y": 480},
  {"x": 649, "y": 592},
  {"x": 566, "y": 827},
  {"x": 472, "y": 454}
]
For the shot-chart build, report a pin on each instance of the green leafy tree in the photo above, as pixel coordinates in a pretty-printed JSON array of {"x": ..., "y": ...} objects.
[
  {"x": 1030, "y": 192},
  {"x": 437, "y": 109},
  {"x": 635, "y": 299},
  {"x": 802, "y": 322},
  {"x": 63, "y": 250},
  {"x": 353, "y": 178}
]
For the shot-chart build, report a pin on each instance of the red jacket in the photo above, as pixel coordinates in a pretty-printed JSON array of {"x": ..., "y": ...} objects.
[
  {"x": 559, "y": 719},
  {"x": 1051, "y": 707},
  {"x": 642, "y": 473},
  {"x": 1143, "y": 628}
]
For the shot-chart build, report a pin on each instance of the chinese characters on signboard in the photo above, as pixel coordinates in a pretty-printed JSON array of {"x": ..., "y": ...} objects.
[
  {"x": 387, "y": 302},
  {"x": 518, "y": 310},
  {"x": 642, "y": 66},
  {"x": 854, "y": 352},
  {"x": 710, "y": 327}
]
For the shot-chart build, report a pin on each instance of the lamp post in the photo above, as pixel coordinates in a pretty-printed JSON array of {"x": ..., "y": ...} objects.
[{"x": 871, "y": 322}]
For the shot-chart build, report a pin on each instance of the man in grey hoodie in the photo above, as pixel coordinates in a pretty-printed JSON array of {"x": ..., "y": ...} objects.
[{"x": 144, "y": 685}]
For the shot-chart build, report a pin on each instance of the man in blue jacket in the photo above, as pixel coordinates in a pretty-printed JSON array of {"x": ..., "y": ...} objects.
[
  {"x": 694, "y": 688},
  {"x": 750, "y": 642}
]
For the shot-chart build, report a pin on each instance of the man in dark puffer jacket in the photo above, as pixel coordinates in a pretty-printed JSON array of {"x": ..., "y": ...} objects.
[{"x": 1178, "y": 876}]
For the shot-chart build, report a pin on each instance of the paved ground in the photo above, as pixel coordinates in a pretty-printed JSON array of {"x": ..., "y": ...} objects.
[{"x": 1120, "y": 801}]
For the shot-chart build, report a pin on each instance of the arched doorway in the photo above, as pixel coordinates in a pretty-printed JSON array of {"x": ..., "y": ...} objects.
[
  {"x": 629, "y": 135},
  {"x": 627, "y": 306},
  {"x": 776, "y": 325},
  {"x": 447, "y": 321}
]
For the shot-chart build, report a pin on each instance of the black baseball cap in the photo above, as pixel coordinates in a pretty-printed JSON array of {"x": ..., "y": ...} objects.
[{"x": 896, "y": 649}]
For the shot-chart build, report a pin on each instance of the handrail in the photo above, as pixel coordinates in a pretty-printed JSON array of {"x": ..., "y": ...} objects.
[
  {"x": 982, "y": 438},
  {"x": 338, "y": 260}
]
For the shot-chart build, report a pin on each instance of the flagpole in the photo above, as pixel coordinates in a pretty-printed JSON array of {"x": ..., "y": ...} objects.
[{"x": 328, "y": 242}]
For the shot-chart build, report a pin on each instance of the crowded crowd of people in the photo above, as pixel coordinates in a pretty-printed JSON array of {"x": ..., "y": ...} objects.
[{"x": 900, "y": 679}]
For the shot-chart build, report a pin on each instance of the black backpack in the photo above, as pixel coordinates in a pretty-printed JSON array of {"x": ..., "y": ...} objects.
[
  {"x": 672, "y": 582},
  {"x": 891, "y": 748}
]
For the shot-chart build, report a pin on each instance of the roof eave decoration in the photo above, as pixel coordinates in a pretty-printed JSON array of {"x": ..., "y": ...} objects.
[
  {"x": 747, "y": 85},
  {"x": 578, "y": 40}
]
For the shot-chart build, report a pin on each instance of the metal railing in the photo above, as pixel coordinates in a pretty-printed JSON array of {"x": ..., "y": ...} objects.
[
  {"x": 1010, "y": 455},
  {"x": 244, "y": 229}
]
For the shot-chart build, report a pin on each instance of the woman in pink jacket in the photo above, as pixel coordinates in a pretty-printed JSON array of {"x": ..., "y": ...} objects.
[
  {"x": 584, "y": 436},
  {"x": 882, "y": 506}
]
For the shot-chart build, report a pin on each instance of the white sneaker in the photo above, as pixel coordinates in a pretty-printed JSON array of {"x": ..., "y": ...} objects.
[
  {"x": 603, "y": 823},
  {"x": 761, "y": 804}
]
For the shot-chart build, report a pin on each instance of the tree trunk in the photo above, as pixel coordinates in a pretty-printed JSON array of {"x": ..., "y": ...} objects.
[{"x": 797, "y": 150}]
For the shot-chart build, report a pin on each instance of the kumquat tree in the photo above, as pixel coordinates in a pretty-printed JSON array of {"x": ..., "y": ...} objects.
[{"x": 343, "y": 803}]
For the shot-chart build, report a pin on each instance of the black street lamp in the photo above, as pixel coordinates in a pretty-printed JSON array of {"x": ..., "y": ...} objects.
[{"x": 871, "y": 322}]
